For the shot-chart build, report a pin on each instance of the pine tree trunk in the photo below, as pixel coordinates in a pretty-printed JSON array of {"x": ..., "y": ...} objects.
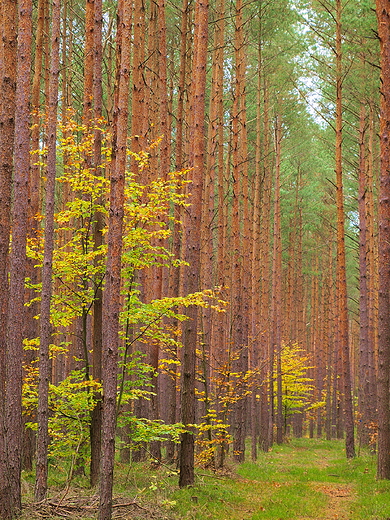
[
  {"x": 266, "y": 415},
  {"x": 364, "y": 336},
  {"x": 192, "y": 243},
  {"x": 112, "y": 292},
  {"x": 276, "y": 305},
  {"x": 97, "y": 339},
  {"x": 240, "y": 232},
  {"x": 8, "y": 32},
  {"x": 383, "y": 471},
  {"x": 15, "y": 321},
  {"x": 341, "y": 265}
]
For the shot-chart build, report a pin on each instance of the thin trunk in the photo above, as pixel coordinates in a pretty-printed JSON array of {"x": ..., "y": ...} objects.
[
  {"x": 266, "y": 417},
  {"x": 241, "y": 231},
  {"x": 46, "y": 293},
  {"x": 276, "y": 306},
  {"x": 255, "y": 269},
  {"x": 96, "y": 418},
  {"x": 364, "y": 339},
  {"x": 341, "y": 262},
  {"x": 329, "y": 345},
  {"x": 182, "y": 85}
]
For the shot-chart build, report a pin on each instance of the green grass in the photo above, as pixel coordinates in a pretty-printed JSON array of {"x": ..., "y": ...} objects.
[{"x": 303, "y": 479}]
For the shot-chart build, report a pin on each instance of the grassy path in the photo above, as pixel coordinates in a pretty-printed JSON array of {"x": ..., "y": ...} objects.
[
  {"x": 302, "y": 480},
  {"x": 339, "y": 500}
]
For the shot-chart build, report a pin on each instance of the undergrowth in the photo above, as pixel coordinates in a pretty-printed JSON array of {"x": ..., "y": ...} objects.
[{"x": 302, "y": 479}]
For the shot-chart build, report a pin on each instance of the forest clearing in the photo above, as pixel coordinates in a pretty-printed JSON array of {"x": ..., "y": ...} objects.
[
  {"x": 303, "y": 479},
  {"x": 194, "y": 258}
]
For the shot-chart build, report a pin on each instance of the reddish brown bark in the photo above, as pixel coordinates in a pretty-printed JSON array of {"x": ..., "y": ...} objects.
[
  {"x": 364, "y": 336},
  {"x": 15, "y": 321},
  {"x": 383, "y": 470},
  {"x": 179, "y": 150},
  {"x": 240, "y": 231},
  {"x": 266, "y": 401},
  {"x": 192, "y": 242},
  {"x": 113, "y": 273},
  {"x": 254, "y": 352},
  {"x": 8, "y": 41},
  {"x": 276, "y": 302},
  {"x": 341, "y": 265}
]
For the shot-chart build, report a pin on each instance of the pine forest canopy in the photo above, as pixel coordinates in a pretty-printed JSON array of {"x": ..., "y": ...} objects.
[{"x": 193, "y": 203}]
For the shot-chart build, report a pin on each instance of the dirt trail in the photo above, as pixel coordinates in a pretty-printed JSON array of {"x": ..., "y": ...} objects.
[{"x": 339, "y": 498}]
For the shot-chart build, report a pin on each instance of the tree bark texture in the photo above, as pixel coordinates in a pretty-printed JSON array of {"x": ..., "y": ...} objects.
[
  {"x": 341, "y": 262},
  {"x": 15, "y": 318},
  {"x": 383, "y": 470},
  {"x": 192, "y": 242},
  {"x": 8, "y": 43},
  {"x": 112, "y": 293}
]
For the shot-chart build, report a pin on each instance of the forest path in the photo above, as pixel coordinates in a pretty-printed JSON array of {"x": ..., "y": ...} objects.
[
  {"x": 339, "y": 497},
  {"x": 312, "y": 480}
]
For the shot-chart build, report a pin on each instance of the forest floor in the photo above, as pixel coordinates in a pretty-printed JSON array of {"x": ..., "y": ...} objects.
[{"x": 304, "y": 479}]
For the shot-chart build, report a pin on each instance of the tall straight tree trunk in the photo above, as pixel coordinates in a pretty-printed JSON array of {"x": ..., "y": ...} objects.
[
  {"x": 276, "y": 305},
  {"x": 97, "y": 340},
  {"x": 174, "y": 274},
  {"x": 364, "y": 336},
  {"x": 266, "y": 401},
  {"x": 35, "y": 178},
  {"x": 139, "y": 130},
  {"x": 8, "y": 42},
  {"x": 254, "y": 353},
  {"x": 329, "y": 344},
  {"x": 46, "y": 294},
  {"x": 88, "y": 64},
  {"x": 112, "y": 293},
  {"x": 383, "y": 470},
  {"x": 214, "y": 210},
  {"x": 241, "y": 230},
  {"x": 15, "y": 318},
  {"x": 341, "y": 265},
  {"x": 160, "y": 273},
  {"x": 372, "y": 258},
  {"x": 183, "y": 69},
  {"x": 192, "y": 242}
]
